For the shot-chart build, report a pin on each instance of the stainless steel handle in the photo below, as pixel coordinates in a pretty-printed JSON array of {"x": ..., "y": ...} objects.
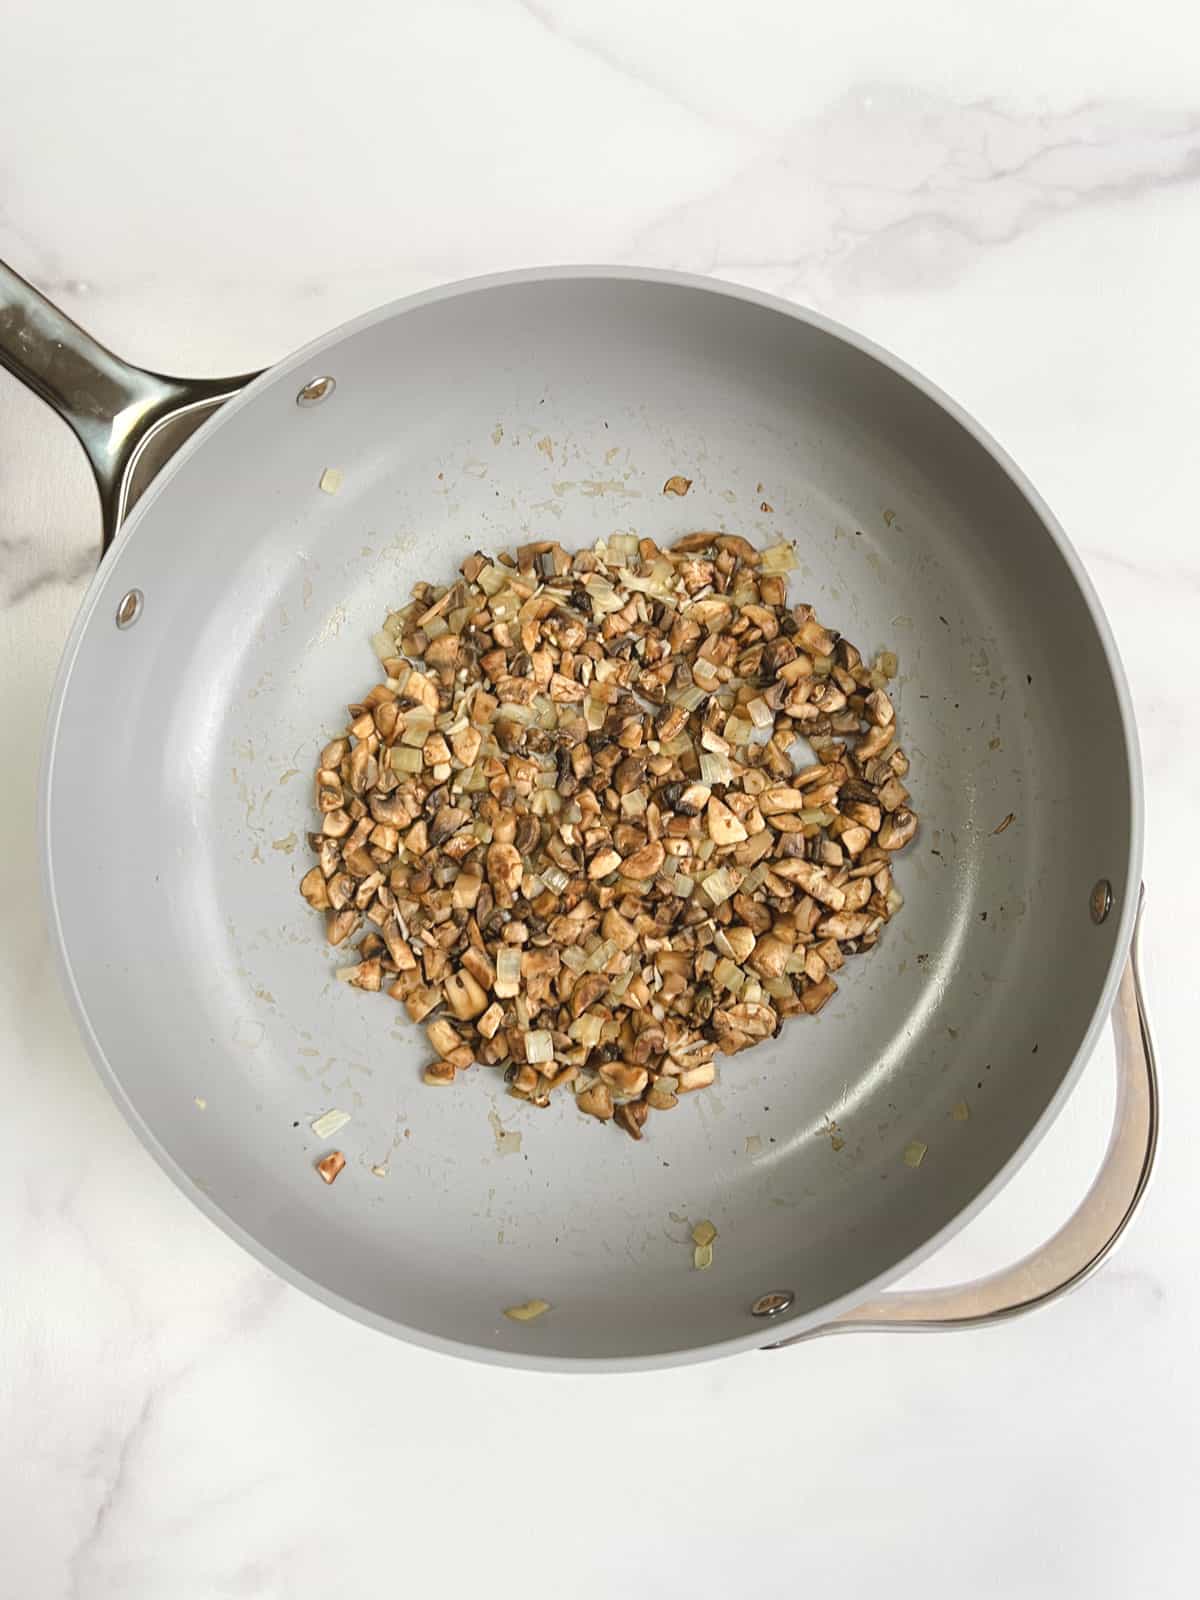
[
  {"x": 128, "y": 420},
  {"x": 1084, "y": 1240}
]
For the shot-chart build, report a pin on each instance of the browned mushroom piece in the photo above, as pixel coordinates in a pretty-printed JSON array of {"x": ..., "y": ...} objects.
[
  {"x": 632, "y": 1117},
  {"x": 315, "y": 889},
  {"x": 897, "y": 829},
  {"x": 597, "y": 1101},
  {"x": 568, "y": 830},
  {"x": 341, "y": 925}
]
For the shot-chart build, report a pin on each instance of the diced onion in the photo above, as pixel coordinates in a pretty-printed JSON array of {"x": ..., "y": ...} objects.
[
  {"x": 586, "y": 1029},
  {"x": 332, "y": 1122},
  {"x": 602, "y": 955},
  {"x": 778, "y": 558},
  {"x": 508, "y": 972},
  {"x": 690, "y": 698},
  {"x": 492, "y": 579},
  {"x": 416, "y": 729},
  {"x": 728, "y": 974},
  {"x": 719, "y": 885},
  {"x": 715, "y": 768},
  {"x": 539, "y": 1046},
  {"x": 528, "y": 1312},
  {"x": 603, "y": 596}
]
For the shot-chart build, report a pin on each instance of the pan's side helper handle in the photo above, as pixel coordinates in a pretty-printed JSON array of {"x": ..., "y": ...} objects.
[
  {"x": 128, "y": 420},
  {"x": 1084, "y": 1240}
]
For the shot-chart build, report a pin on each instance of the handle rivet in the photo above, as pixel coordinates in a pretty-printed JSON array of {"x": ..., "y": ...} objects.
[
  {"x": 770, "y": 1305},
  {"x": 1101, "y": 901},
  {"x": 130, "y": 608},
  {"x": 316, "y": 390}
]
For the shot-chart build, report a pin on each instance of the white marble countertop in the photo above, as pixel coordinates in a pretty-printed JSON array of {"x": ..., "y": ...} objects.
[{"x": 1009, "y": 199}]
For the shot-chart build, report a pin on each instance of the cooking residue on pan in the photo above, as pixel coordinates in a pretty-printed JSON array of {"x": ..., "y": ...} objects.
[{"x": 507, "y": 1143}]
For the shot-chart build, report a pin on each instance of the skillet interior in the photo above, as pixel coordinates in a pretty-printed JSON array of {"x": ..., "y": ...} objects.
[{"x": 178, "y": 784}]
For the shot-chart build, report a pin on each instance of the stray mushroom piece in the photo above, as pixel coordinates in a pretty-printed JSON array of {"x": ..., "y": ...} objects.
[{"x": 897, "y": 829}]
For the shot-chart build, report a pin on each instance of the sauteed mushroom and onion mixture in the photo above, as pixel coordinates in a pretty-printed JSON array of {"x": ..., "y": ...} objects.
[{"x": 572, "y": 829}]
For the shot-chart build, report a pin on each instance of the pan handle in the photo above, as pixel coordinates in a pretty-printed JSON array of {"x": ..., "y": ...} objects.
[
  {"x": 129, "y": 421},
  {"x": 1084, "y": 1240}
]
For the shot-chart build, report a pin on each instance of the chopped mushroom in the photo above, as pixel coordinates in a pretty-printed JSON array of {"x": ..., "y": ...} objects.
[
  {"x": 597, "y": 1101},
  {"x": 566, "y": 831},
  {"x": 897, "y": 829}
]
